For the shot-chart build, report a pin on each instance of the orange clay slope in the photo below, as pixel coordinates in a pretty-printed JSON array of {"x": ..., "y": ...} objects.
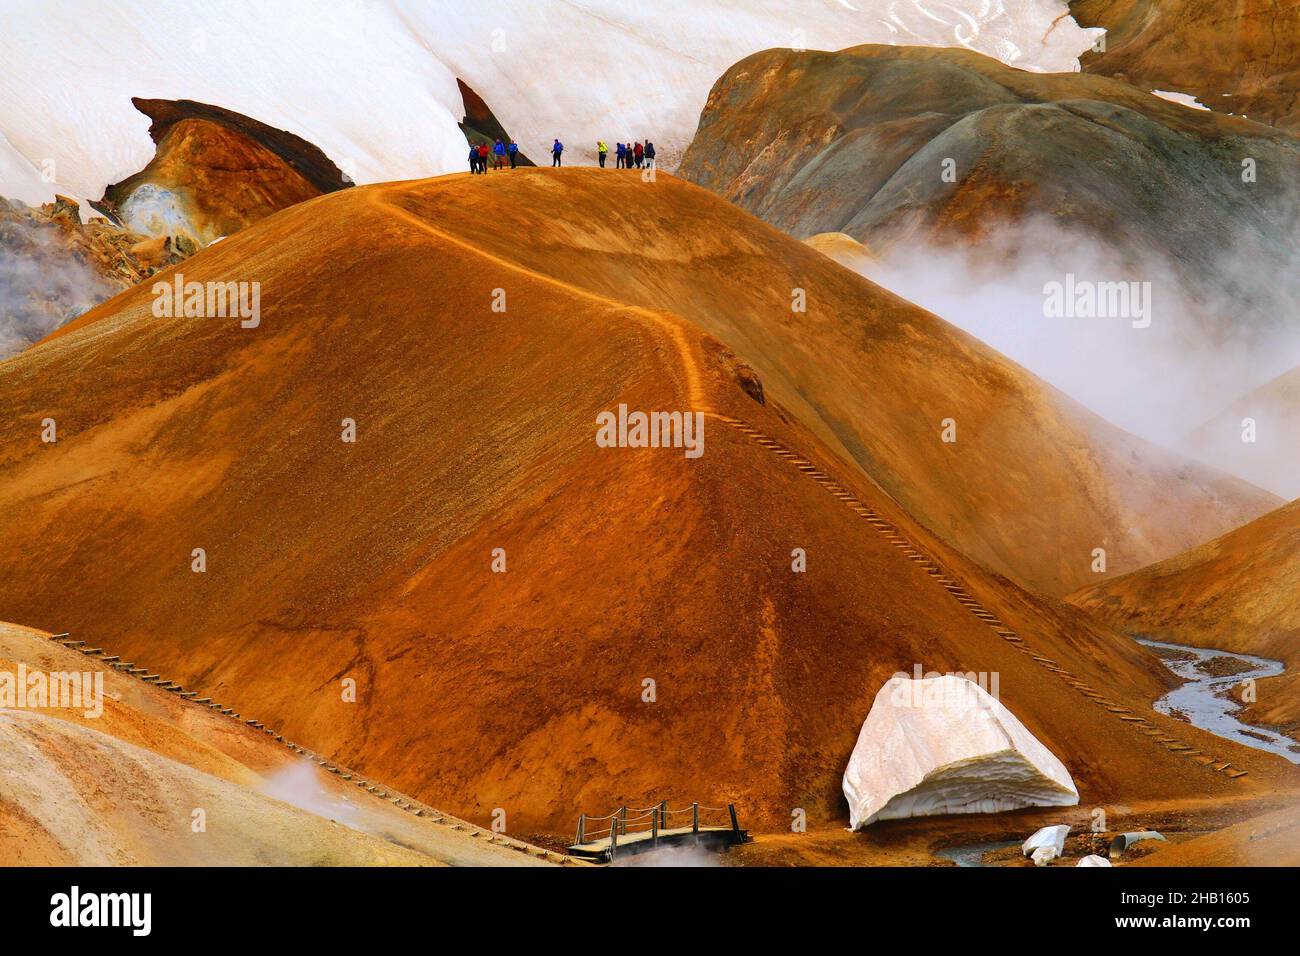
[
  {"x": 1033, "y": 482},
  {"x": 1271, "y": 839},
  {"x": 147, "y": 777},
  {"x": 1240, "y": 592},
  {"x": 526, "y": 691}
]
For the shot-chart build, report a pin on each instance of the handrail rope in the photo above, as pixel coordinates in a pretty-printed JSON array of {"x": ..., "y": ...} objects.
[
  {"x": 654, "y": 809},
  {"x": 644, "y": 813}
]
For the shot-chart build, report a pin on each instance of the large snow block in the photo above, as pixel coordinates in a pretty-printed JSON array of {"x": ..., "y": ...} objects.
[{"x": 944, "y": 745}]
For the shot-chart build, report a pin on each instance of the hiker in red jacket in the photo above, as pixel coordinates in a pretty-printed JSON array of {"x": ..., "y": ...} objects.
[
  {"x": 638, "y": 153},
  {"x": 482, "y": 158}
]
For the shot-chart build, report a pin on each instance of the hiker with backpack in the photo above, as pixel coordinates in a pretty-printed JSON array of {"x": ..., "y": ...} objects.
[
  {"x": 649, "y": 154},
  {"x": 513, "y": 152},
  {"x": 621, "y": 151},
  {"x": 602, "y": 152},
  {"x": 473, "y": 160},
  {"x": 637, "y": 153},
  {"x": 482, "y": 158},
  {"x": 556, "y": 150},
  {"x": 498, "y": 155}
]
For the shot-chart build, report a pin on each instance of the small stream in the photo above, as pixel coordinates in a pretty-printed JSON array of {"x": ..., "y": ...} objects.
[
  {"x": 1204, "y": 699},
  {"x": 972, "y": 854}
]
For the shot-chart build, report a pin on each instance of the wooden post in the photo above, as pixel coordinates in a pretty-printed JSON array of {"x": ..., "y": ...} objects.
[
  {"x": 654, "y": 829},
  {"x": 695, "y": 818},
  {"x": 735, "y": 824},
  {"x": 582, "y": 829},
  {"x": 613, "y": 839},
  {"x": 622, "y": 819},
  {"x": 663, "y": 814}
]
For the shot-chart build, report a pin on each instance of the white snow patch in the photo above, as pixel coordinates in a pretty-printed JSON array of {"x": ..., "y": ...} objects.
[
  {"x": 1185, "y": 98},
  {"x": 945, "y": 745}
]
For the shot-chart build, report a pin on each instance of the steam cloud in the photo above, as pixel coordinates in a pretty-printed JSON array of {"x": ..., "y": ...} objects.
[
  {"x": 1215, "y": 334},
  {"x": 42, "y": 284}
]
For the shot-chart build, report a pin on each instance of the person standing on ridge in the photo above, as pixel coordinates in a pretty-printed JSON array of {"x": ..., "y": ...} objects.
[
  {"x": 602, "y": 152},
  {"x": 482, "y": 158},
  {"x": 619, "y": 151},
  {"x": 513, "y": 152},
  {"x": 473, "y": 160},
  {"x": 649, "y": 154},
  {"x": 637, "y": 153},
  {"x": 498, "y": 155},
  {"x": 557, "y": 149}
]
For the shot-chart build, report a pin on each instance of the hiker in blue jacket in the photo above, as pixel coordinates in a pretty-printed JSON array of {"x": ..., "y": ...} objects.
[
  {"x": 473, "y": 160},
  {"x": 649, "y": 154},
  {"x": 556, "y": 150},
  {"x": 498, "y": 155},
  {"x": 513, "y": 152},
  {"x": 620, "y": 151}
]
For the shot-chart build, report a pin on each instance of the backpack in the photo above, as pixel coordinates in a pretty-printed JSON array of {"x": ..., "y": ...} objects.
[{"x": 513, "y": 147}]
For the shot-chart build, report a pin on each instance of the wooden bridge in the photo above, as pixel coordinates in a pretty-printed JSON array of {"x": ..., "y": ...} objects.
[{"x": 628, "y": 831}]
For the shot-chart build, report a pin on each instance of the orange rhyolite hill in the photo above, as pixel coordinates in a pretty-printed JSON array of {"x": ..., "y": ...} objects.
[{"x": 475, "y": 431}]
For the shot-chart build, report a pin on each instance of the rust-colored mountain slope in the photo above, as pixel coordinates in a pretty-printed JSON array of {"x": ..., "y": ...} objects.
[
  {"x": 1246, "y": 57},
  {"x": 1270, "y": 839},
  {"x": 1240, "y": 592},
  {"x": 145, "y": 777},
  {"x": 526, "y": 691},
  {"x": 877, "y": 383}
]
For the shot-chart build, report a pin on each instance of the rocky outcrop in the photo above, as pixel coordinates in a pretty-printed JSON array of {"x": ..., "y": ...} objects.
[
  {"x": 881, "y": 142},
  {"x": 1246, "y": 60},
  {"x": 480, "y": 125},
  {"x": 215, "y": 172},
  {"x": 944, "y": 745},
  {"x": 53, "y": 267}
]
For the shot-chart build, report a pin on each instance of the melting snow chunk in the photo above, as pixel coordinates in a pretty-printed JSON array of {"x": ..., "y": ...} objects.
[
  {"x": 1053, "y": 837},
  {"x": 944, "y": 745}
]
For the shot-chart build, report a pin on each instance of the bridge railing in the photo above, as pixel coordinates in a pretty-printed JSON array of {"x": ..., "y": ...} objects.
[{"x": 653, "y": 820}]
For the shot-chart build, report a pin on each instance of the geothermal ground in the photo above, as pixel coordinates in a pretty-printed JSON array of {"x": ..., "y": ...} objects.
[
  {"x": 374, "y": 561},
  {"x": 306, "y": 457}
]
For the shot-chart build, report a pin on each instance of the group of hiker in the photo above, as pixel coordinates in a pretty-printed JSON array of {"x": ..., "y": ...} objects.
[
  {"x": 627, "y": 155},
  {"x": 500, "y": 152}
]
